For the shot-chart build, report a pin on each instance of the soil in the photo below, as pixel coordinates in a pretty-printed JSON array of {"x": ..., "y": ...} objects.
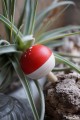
[{"x": 63, "y": 98}]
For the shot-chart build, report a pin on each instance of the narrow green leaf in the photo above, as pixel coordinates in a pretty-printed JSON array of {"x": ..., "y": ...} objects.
[
  {"x": 4, "y": 7},
  {"x": 8, "y": 12},
  {"x": 61, "y": 69},
  {"x": 5, "y": 64},
  {"x": 68, "y": 55},
  {"x": 12, "y": 14},
  {"x": 9, "y": 24},
  {"x": 10, "y": 7},
  {"x": 49, "y": 23},
  {"x": 5, "y": 13},
  {"x": 33, "y": 16},
  {"x": 25, "y": 84},
  {"x": 45, "y": 13},
  {"x": 27, "y": 17},
  {"x": 20, "y": 21},
  {"x": 3, "y": 60},
  {"x": 6, "y": 81},
  {"x": 30, "y": 16},
  {"x": 55, "y": 43},
  {"x": 15, "y": 31},
  {"x": 56, "y": 32},
  {"x": 56, "y": 37},
  {"x": 8, "y": 49},
  {"x": 42, "y": 100},
  {"x": 3, "y": 73},
  {"x": 13, "y": 4},
  {"x": 67, "y": 62}
]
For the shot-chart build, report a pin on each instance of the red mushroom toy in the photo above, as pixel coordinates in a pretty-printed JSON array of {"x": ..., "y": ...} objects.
[{"x": 37, "y": 62}]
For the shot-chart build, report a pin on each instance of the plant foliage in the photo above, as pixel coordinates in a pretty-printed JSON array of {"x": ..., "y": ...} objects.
[{"x": 31, "y": 23}]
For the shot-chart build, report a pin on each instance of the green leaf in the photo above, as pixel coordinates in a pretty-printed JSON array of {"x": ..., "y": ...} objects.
[
  {"x": 55, "y": 43},
  {"x": 12, "y": 6},
  {"x": 55, "y": 32},
  {"x": 45, "y": 13},
  {"x": 55, "y": 36},
  {"x": 20, "y": 21},
  {"x": 3, "y": 60},
  {"x": 28, "y": 40},
  {"x": 9, "y": 7},
  {"x": 67, "y": 62},
  {"x": 60, "y": 30},
  {"x": 25, "y": 84},
  {"x": 4, "y": 72},
  {"x": 5, "y": 13},
  {"x": 14, "y": 29},
  {"x": 11, "y": 16},
  {"x": 30, "y": 16},
  {"x": 27, "y": 17},
  {"x": 9, "y": 25},
  {"x": 8, "y": 49},
  {"x": 8, "y": 12},
  {"x": 61, "y": 69},
  {"x": 49, "y": 22},
  {"x": 5, "y": 64},
  {"x": 6, "y": 82},
  {"x": 68, "y": 55},
  {"x": 4, "y": 7},
  {"x": 42, "y": 113}
]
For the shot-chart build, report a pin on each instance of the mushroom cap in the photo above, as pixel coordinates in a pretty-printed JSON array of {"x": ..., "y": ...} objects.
[{"x": 37, "y": 61}]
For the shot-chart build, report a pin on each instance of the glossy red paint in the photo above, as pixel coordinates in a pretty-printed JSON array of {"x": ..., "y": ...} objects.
[{"x": 34, "y": 57}]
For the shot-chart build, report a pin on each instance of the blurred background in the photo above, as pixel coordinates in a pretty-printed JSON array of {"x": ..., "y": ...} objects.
[{"x": 70, "y": 16}]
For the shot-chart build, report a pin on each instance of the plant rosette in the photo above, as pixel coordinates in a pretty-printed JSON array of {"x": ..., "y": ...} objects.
[{"x": 37, "y": 62}]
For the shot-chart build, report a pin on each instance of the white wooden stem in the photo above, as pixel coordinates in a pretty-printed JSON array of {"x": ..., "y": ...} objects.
[{"x": 51, "y": 77}]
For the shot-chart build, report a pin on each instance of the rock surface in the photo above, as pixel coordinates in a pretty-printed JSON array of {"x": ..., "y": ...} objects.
[{"x": 63, "y": 98}]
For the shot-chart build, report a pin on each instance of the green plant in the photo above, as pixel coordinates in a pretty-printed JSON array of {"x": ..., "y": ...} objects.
[{"x": 22, "y": 36}]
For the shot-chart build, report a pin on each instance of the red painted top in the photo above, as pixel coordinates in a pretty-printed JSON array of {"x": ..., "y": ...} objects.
[{"x": 34, "y": 57}]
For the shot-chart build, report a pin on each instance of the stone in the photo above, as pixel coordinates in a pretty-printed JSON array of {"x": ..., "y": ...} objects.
[{"x": 63, "y": 98}]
